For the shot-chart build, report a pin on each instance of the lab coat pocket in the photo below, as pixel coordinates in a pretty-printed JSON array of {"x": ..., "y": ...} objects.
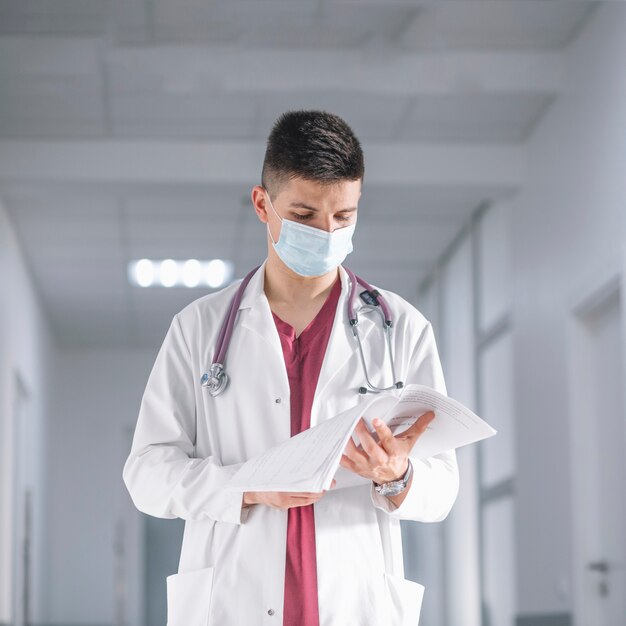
[
  {"x": 405, "y": 599},
  {"x": 189, "y": 597}
]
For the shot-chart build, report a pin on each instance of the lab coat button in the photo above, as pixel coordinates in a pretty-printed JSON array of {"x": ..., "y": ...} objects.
[
  {"x": 270, "y": 612},
  {"x": 278, "y": 400}
]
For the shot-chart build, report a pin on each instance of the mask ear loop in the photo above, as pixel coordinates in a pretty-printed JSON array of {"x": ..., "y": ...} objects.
[{"x": 278, "y": 216}]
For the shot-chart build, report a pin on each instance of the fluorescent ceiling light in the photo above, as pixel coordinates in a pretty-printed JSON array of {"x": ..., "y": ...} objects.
[
  {"x": 216, "y": 272},
  {"x": 144, "y": 272},
  {"x": 186, "y": 273},
  {"x": 192, "y": 273},
  {"x": 168, "y": 273}
]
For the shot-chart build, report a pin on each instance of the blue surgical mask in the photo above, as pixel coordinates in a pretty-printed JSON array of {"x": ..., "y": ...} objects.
[{"x": 310, "y": 251}]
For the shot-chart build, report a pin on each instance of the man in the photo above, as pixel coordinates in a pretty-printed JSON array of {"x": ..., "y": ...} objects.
[{"x": 330, "y": 558}]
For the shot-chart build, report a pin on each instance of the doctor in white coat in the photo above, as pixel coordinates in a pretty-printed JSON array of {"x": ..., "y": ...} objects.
[{"x": 188, "y": 443}]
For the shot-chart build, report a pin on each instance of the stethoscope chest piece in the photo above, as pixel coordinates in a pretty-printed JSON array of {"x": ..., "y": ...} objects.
[{"x": 215, "y": 380}]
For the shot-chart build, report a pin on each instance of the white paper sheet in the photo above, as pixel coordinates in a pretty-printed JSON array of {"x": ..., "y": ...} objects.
[
  {"x": 300, "y": 463},
  {"x": 308, "y": 461}
]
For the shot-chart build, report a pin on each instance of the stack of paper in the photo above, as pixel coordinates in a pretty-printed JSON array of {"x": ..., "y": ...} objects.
[{"x": 310, "y": 460}]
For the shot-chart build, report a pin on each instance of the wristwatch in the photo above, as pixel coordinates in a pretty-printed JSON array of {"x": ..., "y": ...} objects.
[{"x": 395, "y": 487}]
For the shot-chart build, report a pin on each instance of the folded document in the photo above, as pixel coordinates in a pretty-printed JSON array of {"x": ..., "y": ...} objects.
[{"x": 310, "y": 460}]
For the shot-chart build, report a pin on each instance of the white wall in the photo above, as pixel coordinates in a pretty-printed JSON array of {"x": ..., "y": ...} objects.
[
  {"x": 462, "y": 572},
  {"x": 568, "y": 223},
  {"x": 83, "y": 406},
  {"x": 26, "y": 349},
  {"x": 567, "y": 228},
  {"x": 469, "y": 291},
  {"x": 96, "y": 400}
]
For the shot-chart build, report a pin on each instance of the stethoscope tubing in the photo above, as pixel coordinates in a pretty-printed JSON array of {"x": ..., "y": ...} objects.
[
  {"x": 228, "y": 324},
  {"x": 226, "y": 331}
]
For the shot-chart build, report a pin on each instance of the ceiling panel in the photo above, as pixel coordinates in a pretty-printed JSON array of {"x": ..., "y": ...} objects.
[
  {"x": 371, "y": 116},
  {"x": 398, "y": 201},
  {"x": 204, "y": 226},
  {"x": 182, "y": 116},
  {"x": 146, "y": 202},
  {"x": 59, "y": 17},
  {"x": 50, "y": 95},
  {"x": 130, "y": 22},
  {"x": 338, "y": 26},
  {"x": 494, "y": 118},
  {"x": 226, "y": 22},
  {"x": 302, "y": 23},
  {"x": 481, "y": 24}
]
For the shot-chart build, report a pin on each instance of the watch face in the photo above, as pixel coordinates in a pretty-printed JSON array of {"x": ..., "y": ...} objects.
[{"x": 392, "y": 489}]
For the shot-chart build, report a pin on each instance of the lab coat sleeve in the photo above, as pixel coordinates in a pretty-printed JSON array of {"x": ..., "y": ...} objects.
[
  {"x": 435, "y": 482},
  {"x": 162, "y": 476}
]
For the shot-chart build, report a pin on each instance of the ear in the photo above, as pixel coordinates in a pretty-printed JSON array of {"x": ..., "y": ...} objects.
[{"x": 259, "y": 201}]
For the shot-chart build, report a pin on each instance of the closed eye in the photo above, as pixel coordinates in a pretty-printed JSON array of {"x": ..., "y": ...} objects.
[{"x": 307, "y": 216}]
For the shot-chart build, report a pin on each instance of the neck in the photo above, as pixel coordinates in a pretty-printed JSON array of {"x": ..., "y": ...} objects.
[{"x": 284, "y": 286}]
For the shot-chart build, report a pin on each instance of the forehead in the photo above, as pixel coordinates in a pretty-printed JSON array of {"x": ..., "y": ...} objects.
[{"x": 345, "y": 192}]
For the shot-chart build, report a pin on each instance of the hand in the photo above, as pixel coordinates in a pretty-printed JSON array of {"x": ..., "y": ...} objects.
[
  {"x": 387, "y": 459},
  {"x": 283, "y": 499}
]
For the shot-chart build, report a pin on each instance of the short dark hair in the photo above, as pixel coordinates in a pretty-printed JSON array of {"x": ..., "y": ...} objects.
[{"x": 311, "y": 144}]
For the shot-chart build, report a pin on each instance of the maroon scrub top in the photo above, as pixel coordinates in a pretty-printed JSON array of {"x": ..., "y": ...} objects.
[{"x": 303, "y": 359}]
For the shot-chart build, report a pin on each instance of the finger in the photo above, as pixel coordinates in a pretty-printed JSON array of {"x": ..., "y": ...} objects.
[
  {"x": 305, "y": 494},
  {"x": 348, "y": 463},
  {"x": 419, "y": 427},
  {"x": 374, "y": 451},
  {"x": 297, "y": 501},
  {"x": 285, "y": 500},
  {"x": 353, "y": 453},
  {"x": 387, "y": 441},
  {"x": 290, "y": 503}
]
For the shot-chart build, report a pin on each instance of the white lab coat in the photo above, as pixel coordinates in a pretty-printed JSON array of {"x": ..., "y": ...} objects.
[{"x": 187, "y": 444}]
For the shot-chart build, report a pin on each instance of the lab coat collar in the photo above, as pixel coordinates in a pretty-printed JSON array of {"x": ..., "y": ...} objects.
[
  {"x": 341, "y": 345},
  {"x": 256, "y": 314},
  {"x": 255, "y": 288}
]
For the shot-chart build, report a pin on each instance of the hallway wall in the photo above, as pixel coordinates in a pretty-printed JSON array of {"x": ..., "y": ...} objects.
[
  {"x": 567, "y": 232},
  {"x": 95, "y": 533},
  {"x": 569, "y": 226},
  {"x": 27, "y": 350},
  {"x": 82, "y": 407}
]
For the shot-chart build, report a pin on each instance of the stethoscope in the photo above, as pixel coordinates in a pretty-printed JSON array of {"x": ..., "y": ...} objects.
[{"x": 216, "y": 379}]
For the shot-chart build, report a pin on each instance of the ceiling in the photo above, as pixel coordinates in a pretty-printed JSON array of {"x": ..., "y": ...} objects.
[{"x": 136, "y": 128}]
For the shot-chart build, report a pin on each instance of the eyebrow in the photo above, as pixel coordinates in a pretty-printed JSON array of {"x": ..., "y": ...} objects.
[{"x": 302, "y": 205}]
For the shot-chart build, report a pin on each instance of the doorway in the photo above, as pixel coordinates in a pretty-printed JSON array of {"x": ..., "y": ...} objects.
[{"x": 598, "y": 388}]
